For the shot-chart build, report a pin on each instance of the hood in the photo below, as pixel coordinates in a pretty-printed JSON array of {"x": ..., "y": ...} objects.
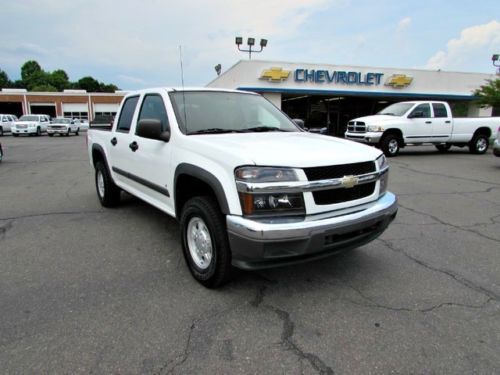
[
  {"x": 377, "y": 119},
  {"x": 25, "y": 123},
  {"x": 298, "y": 149}
]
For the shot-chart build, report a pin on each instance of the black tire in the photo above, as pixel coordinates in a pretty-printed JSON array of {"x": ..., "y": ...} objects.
[
  {"x": 1, "y": 131},
  {"x": 443, "y": 147},
  {"x": 15, "y": 135},
  {"x": 219, "y": 268},
  {"x": 50, "y": 135},
  {"x": 38, "y": 132},
  {"x": 110, "y": 196},
  {"x": 479, "y": 144},
  {"x": 77, "y": 131},
  {"x": 390, "y": 145}
]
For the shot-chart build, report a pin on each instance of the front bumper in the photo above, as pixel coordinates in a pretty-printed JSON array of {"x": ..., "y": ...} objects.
[
  {"x": 23, "y": 131},
  {"x": 266, "y": 243},
  {"x": 368, "y": 138},
  {"x": 496, "y": 147},
  {"x": 57, "y": 131}
]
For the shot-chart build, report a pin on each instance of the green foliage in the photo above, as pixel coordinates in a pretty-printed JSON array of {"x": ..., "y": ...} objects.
[
  {"x": 489, "y": 95},
  {"x": 34, "y": 78}
]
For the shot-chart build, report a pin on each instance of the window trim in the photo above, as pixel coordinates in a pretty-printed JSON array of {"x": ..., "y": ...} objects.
[{"x": 127, "y": 131}]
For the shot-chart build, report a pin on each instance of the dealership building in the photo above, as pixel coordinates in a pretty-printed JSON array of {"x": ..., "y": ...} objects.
[
  {"x": 70, "y": 103},
  {"x": 323, "y": 95},
  {"x": 329, "y": 96}
]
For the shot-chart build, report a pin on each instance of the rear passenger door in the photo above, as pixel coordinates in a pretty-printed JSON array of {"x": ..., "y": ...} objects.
[
  {"x": 441, "y": 123},
  {"x": 151, "y": 165},
  {"x": 120, "y": 154}
]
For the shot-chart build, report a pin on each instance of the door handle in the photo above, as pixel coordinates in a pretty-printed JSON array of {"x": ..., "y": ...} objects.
[
  {"x": 133, "y": 146},
  {"x": 114, "y": 141},
  {"x": 428, "y": 122},
  {"x": 448, "y": 122}
]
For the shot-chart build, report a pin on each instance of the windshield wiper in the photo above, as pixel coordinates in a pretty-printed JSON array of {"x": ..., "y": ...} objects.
[
  {"x": 264, "y": 129},
  {"x": 214, "y": 131}
]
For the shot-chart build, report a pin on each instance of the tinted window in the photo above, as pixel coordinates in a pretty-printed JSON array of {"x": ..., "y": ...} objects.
[
  {"x": 424, "y": 108},
  {"x": 127, "y": 113},
  {"x": 153, "y": 108},
  {"x": 4, "y": 118},
  {"x": 439, "y": 110}
]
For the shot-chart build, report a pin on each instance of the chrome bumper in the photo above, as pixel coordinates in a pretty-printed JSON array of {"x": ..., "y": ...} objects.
[
  {"x": 280, "y": 241},
  {"x": 369, "y": 138}
]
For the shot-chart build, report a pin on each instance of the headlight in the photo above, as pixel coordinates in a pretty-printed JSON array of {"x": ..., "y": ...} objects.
[
  {"x": 270, "y": 203},
  {"x": 384, "y": 179},
  {"x": 375, "y": 128}
]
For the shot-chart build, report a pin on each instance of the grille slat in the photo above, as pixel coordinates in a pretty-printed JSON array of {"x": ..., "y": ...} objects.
[
  {"x": 356, "y": 127},
  {"x": 339, "y": 171}
]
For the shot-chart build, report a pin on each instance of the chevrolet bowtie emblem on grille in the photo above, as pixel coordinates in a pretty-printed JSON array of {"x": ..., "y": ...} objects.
[
  {"x": 349, "y": 181},
  {"x": 275, "y": 74},
  {"x": 399, "y": 81}
]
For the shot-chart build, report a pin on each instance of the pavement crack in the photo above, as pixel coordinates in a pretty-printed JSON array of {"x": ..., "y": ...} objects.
[
  {"x": 5, "y": 228},
  {"x": 53, "y": 214},
  {"x": 440, "y": 221},
  {"x": 460, "y": 279},
  {"x": 185, "y": 354},
  {"x": 259, "y": 297}
]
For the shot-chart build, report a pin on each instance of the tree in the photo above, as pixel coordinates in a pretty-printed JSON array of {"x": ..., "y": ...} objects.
[
  {"x": 29, "y": 69},
  {"x": 44, "y": 88},
  {"x": 88, "y": 83},
  {"x": 107, "y": 88},
  {"x": 59, "y": 79},
  {"x": 4, "y": 80},
  {"x": 489, "y": 95}
]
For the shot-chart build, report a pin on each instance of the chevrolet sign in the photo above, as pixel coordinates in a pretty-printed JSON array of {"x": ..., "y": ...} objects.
[
  {"x": 398, "y": 81},
  {"x": 275, "y": 74}
]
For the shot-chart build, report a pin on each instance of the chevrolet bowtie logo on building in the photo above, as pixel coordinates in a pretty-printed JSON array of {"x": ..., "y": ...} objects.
[
  {"x": 349, "y": 181},
  {"x": 398, "y": 81},
  {"x": 275, "y": 74}
]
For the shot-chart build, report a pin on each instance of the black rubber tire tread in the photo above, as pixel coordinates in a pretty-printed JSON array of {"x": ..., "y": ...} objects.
[
  {"x": 50, "y": 135},
  {"x": 220, "y": 269},
  {"x": 38, "y": 132},
  {"x": 1, "y": 131},
  {"x": 384, "y": 144},
  {"x": 443, "y": 148},
  {"x": 111, "y": 191},
  {"x": 472, "y": 145}
]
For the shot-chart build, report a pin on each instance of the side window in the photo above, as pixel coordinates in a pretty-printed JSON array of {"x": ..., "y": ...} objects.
[
  {"x": 154, "y": 108},
  {"x": 126, "y": 114},
  {"x": 424, "y": 108},
  {"x": 5, "y": 119},
  {"x": 439, "y": 110}
]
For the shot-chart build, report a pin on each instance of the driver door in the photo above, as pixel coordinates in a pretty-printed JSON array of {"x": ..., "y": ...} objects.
[{"x": 420, "y": 124}]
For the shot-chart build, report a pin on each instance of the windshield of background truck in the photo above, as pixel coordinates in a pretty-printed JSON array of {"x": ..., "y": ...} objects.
[
  {"x": 223, "y": 112},
  {"x": 398, "y": 109},
  {"x": 62, "y": 121},
  {"x": 28, "y": 118}
]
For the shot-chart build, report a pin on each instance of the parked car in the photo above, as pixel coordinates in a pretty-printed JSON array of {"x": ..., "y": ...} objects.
[
  {"x": 30, "y": 125},
  {"x": 496, "y": 144},
  {"x": 6, "y": 122},
  {"x": 84, "y": 125},
  {"x": 422, "y": 122},
  {"x": 63, "y": 126},
  {"x": 248, "y": 186}
]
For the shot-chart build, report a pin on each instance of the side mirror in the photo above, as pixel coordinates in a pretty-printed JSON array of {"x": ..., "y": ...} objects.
[
  {"x": 151, "y": 129},
  {"x": 299, "y": 122},
  {"x": 417, "y": 114}
]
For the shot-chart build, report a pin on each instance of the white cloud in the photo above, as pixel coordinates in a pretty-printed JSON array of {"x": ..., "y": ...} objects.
[
  {"x": 470, "y": 46},
  {"x": 403, "y": 24}
]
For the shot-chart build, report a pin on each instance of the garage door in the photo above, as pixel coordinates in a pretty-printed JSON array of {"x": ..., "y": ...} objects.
[
  {"x": 43, "y": 109},
  {"x": 105, "y": 109},
  {"x": 76, "y": 110}
]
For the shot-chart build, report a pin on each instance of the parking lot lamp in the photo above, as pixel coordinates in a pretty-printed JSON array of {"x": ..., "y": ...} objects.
[{"x": 250, "y": 43}]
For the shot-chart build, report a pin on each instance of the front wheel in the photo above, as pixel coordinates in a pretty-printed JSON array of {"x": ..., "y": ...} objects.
[
  {"x": 38, "y": 132},
  {"x": 479, "y": 144},
  {"x": 107, "y": 192},
  {"x": 77, "y": 131},
  {"x": 390, "y": 145},
  {"x": 204, "y": 242}
]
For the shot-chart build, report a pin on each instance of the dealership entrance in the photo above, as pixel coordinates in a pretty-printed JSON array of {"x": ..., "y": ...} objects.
[
  {"x": 11, "y": 108},
  {"x": 43, "y": 109}
]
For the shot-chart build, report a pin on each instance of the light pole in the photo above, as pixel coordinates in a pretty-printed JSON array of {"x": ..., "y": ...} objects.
[
  {"x": 495, "y": 59},
  {"x": 251, "y": 43}
]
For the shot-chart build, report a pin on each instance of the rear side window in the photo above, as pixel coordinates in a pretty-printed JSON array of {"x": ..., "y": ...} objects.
[
  {"x": 126, "y": 114},
  {"x": 439, "y": 110},
  {"x": 154, "y": 108}
]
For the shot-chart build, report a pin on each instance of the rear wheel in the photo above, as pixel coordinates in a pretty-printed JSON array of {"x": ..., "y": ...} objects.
[
  {"x": 204, "y": 242},
  {"x": 479, "y": 144},
  {"x": 107, "y": 192},
  {"x": 38, "y": 132},
  {"x": 443, "y": 147},
  {"x": 390, "y": 145},
  {"x": 1, "y": 131},
  {"x": 77, "y": 131}
]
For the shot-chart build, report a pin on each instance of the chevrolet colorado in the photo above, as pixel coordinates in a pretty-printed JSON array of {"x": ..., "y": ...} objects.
[{"x": 249, "y": 187}]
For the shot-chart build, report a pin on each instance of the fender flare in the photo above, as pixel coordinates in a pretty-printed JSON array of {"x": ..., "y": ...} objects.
[{"x": 206, "y": 177}]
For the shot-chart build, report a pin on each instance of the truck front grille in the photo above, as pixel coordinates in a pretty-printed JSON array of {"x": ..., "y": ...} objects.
[
  {"x": 343, "y": 195},
  {"x": 339, "y": 171},
  {"x": 356, "y": 127}
]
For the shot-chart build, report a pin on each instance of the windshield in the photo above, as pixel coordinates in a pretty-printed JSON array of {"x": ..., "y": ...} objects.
[
  {"x": 398, "y": 109},
  {"x": 61, "y": 121},
  {"x": 28, "y": 118},
  {"x": 207, "y": 112}
]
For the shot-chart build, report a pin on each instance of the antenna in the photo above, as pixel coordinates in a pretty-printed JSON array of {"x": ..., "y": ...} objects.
[{"x": 183, "y": 96}]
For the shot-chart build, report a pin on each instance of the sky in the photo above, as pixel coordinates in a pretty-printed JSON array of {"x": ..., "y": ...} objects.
[{"x": 135, "y": 44}]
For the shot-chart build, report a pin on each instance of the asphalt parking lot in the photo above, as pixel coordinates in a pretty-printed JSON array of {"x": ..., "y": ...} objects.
[{"x": 90, "y": 290}]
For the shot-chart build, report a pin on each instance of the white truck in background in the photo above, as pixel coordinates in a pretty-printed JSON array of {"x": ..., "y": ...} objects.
[{"x": 422, "y": 122}]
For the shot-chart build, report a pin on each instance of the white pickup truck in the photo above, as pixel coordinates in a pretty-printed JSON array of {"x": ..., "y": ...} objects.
[
  {"x": 422, "y": 122},
  {"x": 249, "y": 187}
]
